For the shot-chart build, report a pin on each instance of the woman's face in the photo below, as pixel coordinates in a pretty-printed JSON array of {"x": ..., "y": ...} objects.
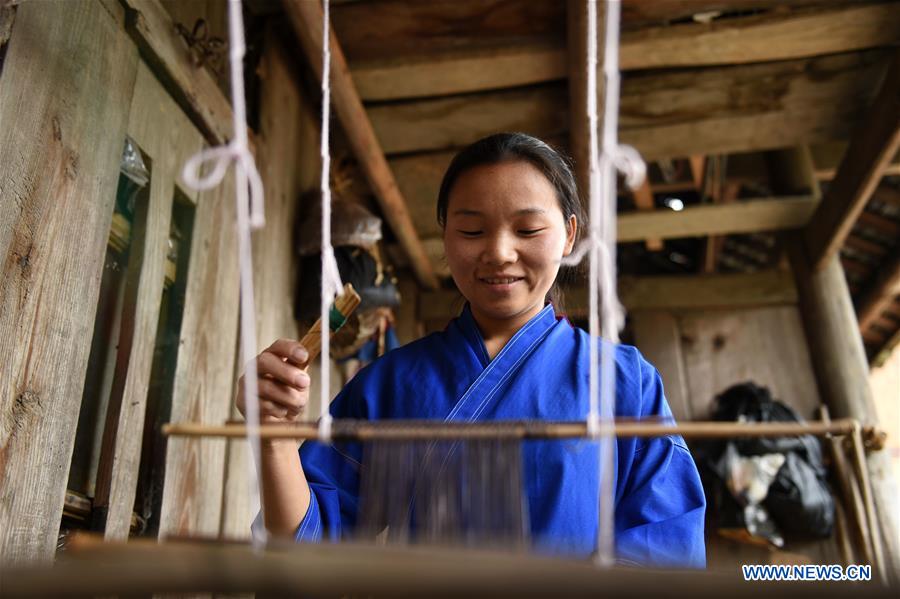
[{"x": 504, "y": 237}]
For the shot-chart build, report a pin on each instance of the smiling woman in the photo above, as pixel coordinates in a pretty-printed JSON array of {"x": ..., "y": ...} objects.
[{"x": 510, "y": 212}]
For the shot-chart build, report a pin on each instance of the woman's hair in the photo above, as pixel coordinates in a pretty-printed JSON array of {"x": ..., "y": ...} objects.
[{"x": 512, "y": 147}]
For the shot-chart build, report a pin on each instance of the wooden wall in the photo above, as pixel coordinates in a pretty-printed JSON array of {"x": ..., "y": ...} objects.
[
  {"x": 61, "y": 137},
  {"x": 61, "y": 140},
  {"x": 700, "y": 353}
]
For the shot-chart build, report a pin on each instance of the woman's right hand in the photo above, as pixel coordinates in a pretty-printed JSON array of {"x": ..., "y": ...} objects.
[{"x": 283, "y": 382}]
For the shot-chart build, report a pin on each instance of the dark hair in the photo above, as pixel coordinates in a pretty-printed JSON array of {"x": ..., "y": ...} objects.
[{"x": 512, "y": 147}]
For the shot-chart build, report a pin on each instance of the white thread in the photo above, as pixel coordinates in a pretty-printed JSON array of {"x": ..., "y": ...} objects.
[
  {"x": 250, "y": 215},
  {"x": 331, "y": 277},
  {"x": 600, "y": 247}
]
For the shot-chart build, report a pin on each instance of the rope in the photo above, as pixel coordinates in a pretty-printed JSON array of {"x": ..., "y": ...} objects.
[
  {"x": 331, "y": 277},
  {"x": 250, "y": 215}
]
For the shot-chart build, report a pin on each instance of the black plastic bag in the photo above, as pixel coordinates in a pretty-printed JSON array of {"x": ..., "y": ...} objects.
[{"x": 799, "y": 500}]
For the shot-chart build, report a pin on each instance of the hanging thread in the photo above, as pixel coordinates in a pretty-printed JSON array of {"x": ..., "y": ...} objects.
[
  {"x": 250, "y": 215},
  {"x": 331, "y": 277},
  {"x": 606, "y": 317}
]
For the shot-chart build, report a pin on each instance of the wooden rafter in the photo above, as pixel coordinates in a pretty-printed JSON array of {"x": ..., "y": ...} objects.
[
  {"x": 881, "y": 294},
  {"x": 871, "y": 149},
  {"x": 306, "y": 19}
]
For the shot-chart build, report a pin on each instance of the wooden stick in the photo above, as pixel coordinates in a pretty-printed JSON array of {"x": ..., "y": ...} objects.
[
  {"x": 850, "y": 491},
  {"x": 426, "y": 430},
  {"x": 862, "y": 471},
  {"x": 843, "y": 534}
]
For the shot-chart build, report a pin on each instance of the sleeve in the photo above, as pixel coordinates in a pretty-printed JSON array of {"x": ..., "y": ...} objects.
[
  {"x": 332, "y": 472},
  {"x": 661, "y": 511}
]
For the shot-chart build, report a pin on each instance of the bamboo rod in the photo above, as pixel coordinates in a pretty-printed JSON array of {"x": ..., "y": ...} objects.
[{"x": 424, "y": 430}]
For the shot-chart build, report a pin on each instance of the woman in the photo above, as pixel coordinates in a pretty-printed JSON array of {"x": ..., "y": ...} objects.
[{"x": 509, "y": 209}]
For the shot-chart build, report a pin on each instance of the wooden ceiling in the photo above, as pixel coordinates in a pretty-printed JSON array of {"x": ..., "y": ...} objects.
[{"x": 704, "y": 83}]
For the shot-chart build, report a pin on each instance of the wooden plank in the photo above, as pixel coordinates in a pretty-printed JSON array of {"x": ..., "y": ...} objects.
[
  {"x": 772, "y": 36},
  {"x": 771, "y": 214},
  {"x": 393, "y": 28},
  {"x": 61, "y": 137},
  {"x": 871, "y": 149},
  {"x": 453, "y": 122},
  {"x": 656, "y": 334},
  {"x": 708, "y": 292},
  {"x": 881, "y": 293},
  {"x": 306, "y": 19},
  {"x": 396, "y": 28},
  {"x": 164, "y": 133},
  {"x": 194, "y": 88},
  {"x": 202, "y": 390},
  {"x": 669, "y": 114}
]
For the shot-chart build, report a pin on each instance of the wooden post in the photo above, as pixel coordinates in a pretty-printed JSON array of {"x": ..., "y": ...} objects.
[
  {"x": 836, "y": 349},
  {"x": 306, "y": 19}
]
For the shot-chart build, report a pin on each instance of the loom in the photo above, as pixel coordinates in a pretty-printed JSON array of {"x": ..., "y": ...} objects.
[{"x": 193, "y": 565}]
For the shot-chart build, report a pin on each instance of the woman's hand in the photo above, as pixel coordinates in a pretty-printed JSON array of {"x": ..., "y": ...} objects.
[{"x": 283, "y": 382}]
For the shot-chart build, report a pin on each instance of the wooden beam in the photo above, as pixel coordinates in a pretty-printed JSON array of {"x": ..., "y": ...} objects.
[
  {"x": 881, "y": 294},
  {"x": 771, "y": 36},
  {"x": 643, "y": 199},
  {"x": 768, "y": 288},
  {"x": 771, "y": 214},
  {"x": 576, "y": 59},
  {"x": 871, "y": 149},
  {"x": 193, "y": 87},
  {"x": 306, "y": 18},
  {"x": 65, "y": 93},
  {"x": 731, "y": 291},
  {"x": 668, "y": 114}
]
